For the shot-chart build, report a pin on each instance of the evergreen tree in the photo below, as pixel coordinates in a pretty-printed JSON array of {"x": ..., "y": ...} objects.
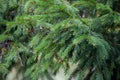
[{"x": 42, "y": 36}]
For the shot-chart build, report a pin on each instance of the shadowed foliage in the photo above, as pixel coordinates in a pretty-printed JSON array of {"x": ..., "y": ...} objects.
[{"x": 42, "y": 36}]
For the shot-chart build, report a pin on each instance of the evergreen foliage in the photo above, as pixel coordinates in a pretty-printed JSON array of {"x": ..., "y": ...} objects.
[{"x": 43, "y": 36}]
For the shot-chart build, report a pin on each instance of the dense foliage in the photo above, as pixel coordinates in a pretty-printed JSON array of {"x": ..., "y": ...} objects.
[{"x": 43, "y": 36}]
